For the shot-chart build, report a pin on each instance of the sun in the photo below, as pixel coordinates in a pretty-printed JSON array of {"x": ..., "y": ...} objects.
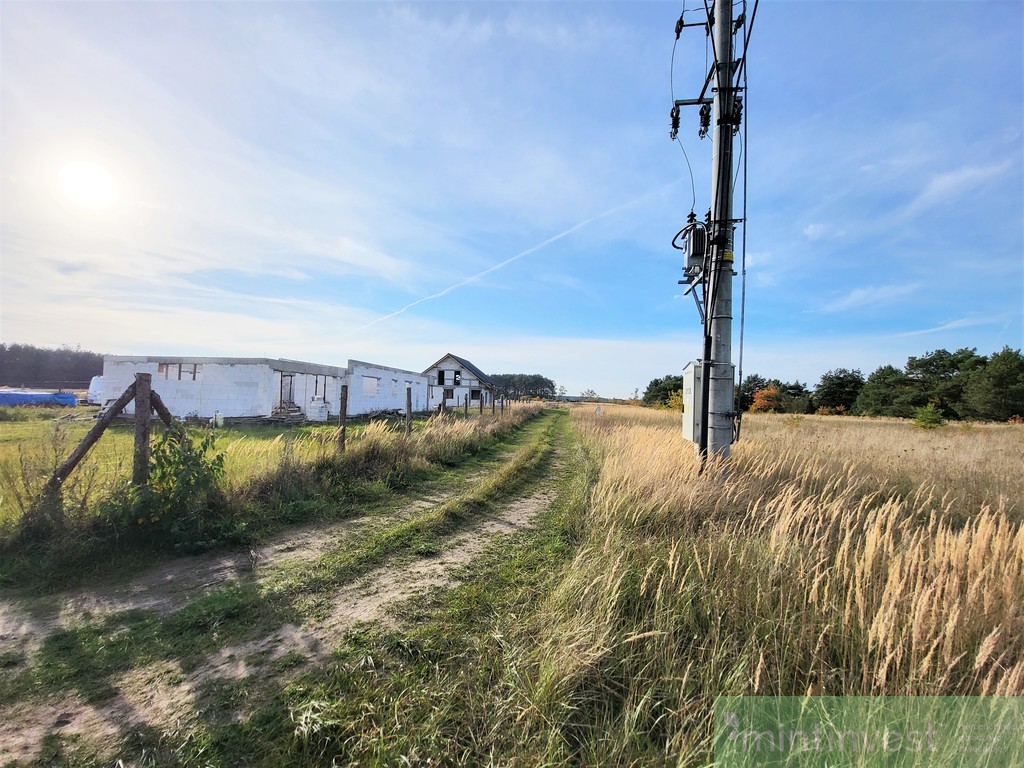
[{"x": 87, "y": 185}]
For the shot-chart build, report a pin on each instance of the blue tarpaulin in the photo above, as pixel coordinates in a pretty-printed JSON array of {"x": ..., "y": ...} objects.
[{"x": 33, "y": 397}]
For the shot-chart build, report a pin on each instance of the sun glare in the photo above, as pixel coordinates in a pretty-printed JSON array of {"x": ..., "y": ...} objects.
[{"x": 87, "y": 185}]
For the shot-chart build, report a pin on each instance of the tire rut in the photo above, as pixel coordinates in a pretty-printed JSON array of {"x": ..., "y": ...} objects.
[{"x": 162, "y": 693}]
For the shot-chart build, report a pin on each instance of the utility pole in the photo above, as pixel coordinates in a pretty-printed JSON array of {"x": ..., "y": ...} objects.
[
  {"x": 709, "y": 384},
  {"x": 718, "y": 380}
]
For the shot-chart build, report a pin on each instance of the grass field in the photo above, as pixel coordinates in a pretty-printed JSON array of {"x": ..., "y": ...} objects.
[
  {"x": 273, "y": 476},
  {"x": 832, "y": 556}
]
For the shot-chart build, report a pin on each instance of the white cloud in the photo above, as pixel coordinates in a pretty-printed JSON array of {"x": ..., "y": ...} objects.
[
  {"x": 971, "y": 321},
  {"x": 815, "y": 231},
  {"x": 870, "y": 296},
  {"x": 945, "y": 187}
]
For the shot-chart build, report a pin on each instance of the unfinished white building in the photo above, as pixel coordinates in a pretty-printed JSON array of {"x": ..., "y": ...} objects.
[
  {"x": 238, "y": 387},
  {"x": 453, "y": 379}
]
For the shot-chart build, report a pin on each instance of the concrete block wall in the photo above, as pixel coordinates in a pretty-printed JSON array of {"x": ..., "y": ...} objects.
[
  {"x": 374, "y": 387},
  {"x": 230, "y": 388}
]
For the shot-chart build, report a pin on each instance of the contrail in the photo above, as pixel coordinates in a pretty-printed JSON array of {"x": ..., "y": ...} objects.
[{"x": 518, "y": 256}]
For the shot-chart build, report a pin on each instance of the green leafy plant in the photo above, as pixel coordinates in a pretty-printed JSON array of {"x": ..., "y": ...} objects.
[{"x": 182, "y": 503}]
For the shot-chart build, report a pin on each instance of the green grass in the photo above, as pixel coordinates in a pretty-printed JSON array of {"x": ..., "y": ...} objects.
[
  {"x": 441, "y": 688},
  {"x": 273, "y": 479},
  {"x": 89, "y": 658}
]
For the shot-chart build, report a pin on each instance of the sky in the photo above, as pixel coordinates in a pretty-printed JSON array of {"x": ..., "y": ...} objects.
[{"x": 390, "y": 181}]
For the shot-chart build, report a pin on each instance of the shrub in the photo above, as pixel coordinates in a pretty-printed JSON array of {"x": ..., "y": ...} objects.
[
  {"x": 928, "y": 417},
  {"x": 182, "y": 505}
]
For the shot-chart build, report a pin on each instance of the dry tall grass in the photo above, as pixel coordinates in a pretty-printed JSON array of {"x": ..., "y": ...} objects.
[{"x": 836, "y": 556}]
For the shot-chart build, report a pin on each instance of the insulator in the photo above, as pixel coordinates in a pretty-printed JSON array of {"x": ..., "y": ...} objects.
[
  {"x": 674, "y": 114},
  {"x": 705, "y": 120},
  {"x": 679, "y": 26}
]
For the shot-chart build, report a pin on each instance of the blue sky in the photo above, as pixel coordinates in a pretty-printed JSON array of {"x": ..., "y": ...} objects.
[{"x": 393, "y": 181}]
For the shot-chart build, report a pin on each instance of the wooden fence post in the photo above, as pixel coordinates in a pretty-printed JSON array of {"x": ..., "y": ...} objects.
[
  {"x": 61, "y": 474},
  {"x": 143, "y": 411},
  {"x": 466, "y": 405},
  {"x": 408, "y": 411},
  {"x": 493, "y": 404},
  {"x": 342, "y": 418},
  {"x": 164, "y": 414},
  {"x": 481, "y": 402}
]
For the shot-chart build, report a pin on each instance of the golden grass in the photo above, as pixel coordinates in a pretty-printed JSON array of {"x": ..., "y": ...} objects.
[{"x": 831, "y": 556}]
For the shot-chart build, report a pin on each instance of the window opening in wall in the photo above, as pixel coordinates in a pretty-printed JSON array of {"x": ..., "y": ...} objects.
[
  {"x": 474, "y": 394},
  {"x": 449, "y": 394},
  {"x": 458, "y": 378},
  {"x": 371, "y": 385},
  {"x": 440, "y": 378},
  {"x": 189, "y": 371},
  {"x": 394, "y": 387},
  {"x": 287, "y": 388},
  {"x": 318, "y": 390}
]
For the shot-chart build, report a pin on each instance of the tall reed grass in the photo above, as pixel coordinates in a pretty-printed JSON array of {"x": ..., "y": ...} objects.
[{"x": 831, "y": 556}]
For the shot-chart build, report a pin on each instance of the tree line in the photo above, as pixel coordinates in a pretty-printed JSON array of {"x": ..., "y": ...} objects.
[
  {"x": 25, "y": 365},
  {"x": 957, "y": 385},
  {"x": 519, "y": 385}
]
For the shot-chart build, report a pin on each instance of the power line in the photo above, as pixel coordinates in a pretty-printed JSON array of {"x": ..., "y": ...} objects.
[{"x": 675, "y": 109}]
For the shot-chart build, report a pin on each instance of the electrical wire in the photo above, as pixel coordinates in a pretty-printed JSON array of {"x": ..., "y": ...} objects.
[
  {"x": 743, "y": 247},
  {"x": 672, "y": 93}
]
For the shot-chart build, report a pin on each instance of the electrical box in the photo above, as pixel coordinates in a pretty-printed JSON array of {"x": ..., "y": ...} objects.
[
  {"x": 692, "y": 401},
  {"x": 696, "y": 250}
]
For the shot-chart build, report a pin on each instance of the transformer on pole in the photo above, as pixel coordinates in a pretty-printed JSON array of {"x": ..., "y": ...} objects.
[{"x": 710, "y": 408}]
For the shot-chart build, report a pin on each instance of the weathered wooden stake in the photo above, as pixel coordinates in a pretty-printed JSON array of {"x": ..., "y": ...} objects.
[
  {"x": 94, "y": 434},
  {"x": 164, "y": 414},
  {"x": 493, "y": 404},
  {"x": 342, "y": 418},
  {"x": 408, "y": 411},
  {"x": 143, "y": 410},
  {"x": 466, "y": 405},
  {"x": 481, "y": 402}
]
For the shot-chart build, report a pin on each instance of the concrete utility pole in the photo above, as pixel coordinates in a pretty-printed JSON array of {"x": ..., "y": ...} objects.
[{"x": 718, "y": 383}]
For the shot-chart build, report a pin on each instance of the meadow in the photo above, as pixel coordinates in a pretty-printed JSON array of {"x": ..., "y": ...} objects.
[
  {"x": 830, "y": 556},
  {"x": 273, "y": 475}
]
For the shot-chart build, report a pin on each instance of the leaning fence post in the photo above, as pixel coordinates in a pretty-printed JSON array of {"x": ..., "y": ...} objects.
[
  {"x": 143, "y": 409},
  {"x": 61, "y": 474},
  {"x": 408, "y": 411},
  {"x": 342, "y": 417}
]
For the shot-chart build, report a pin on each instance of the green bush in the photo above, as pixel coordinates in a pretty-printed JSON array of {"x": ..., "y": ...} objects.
[
  {"x": 928, "y": 417},
  {"x": 183, "y": 505}
]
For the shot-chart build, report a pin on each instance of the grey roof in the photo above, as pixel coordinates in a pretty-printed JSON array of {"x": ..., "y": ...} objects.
[{"x": 484, "y": 378}]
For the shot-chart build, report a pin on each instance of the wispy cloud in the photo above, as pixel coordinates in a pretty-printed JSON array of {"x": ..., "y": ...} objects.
[
  {"x": 970, "y": 321},
  {"x": 870, "y": 296},
  {"x": 944, "y": 187},
  {"x": 522, "y": 254}
]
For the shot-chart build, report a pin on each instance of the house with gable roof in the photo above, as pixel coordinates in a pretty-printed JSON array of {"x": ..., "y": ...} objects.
[{"x": 451, "y": 379}]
